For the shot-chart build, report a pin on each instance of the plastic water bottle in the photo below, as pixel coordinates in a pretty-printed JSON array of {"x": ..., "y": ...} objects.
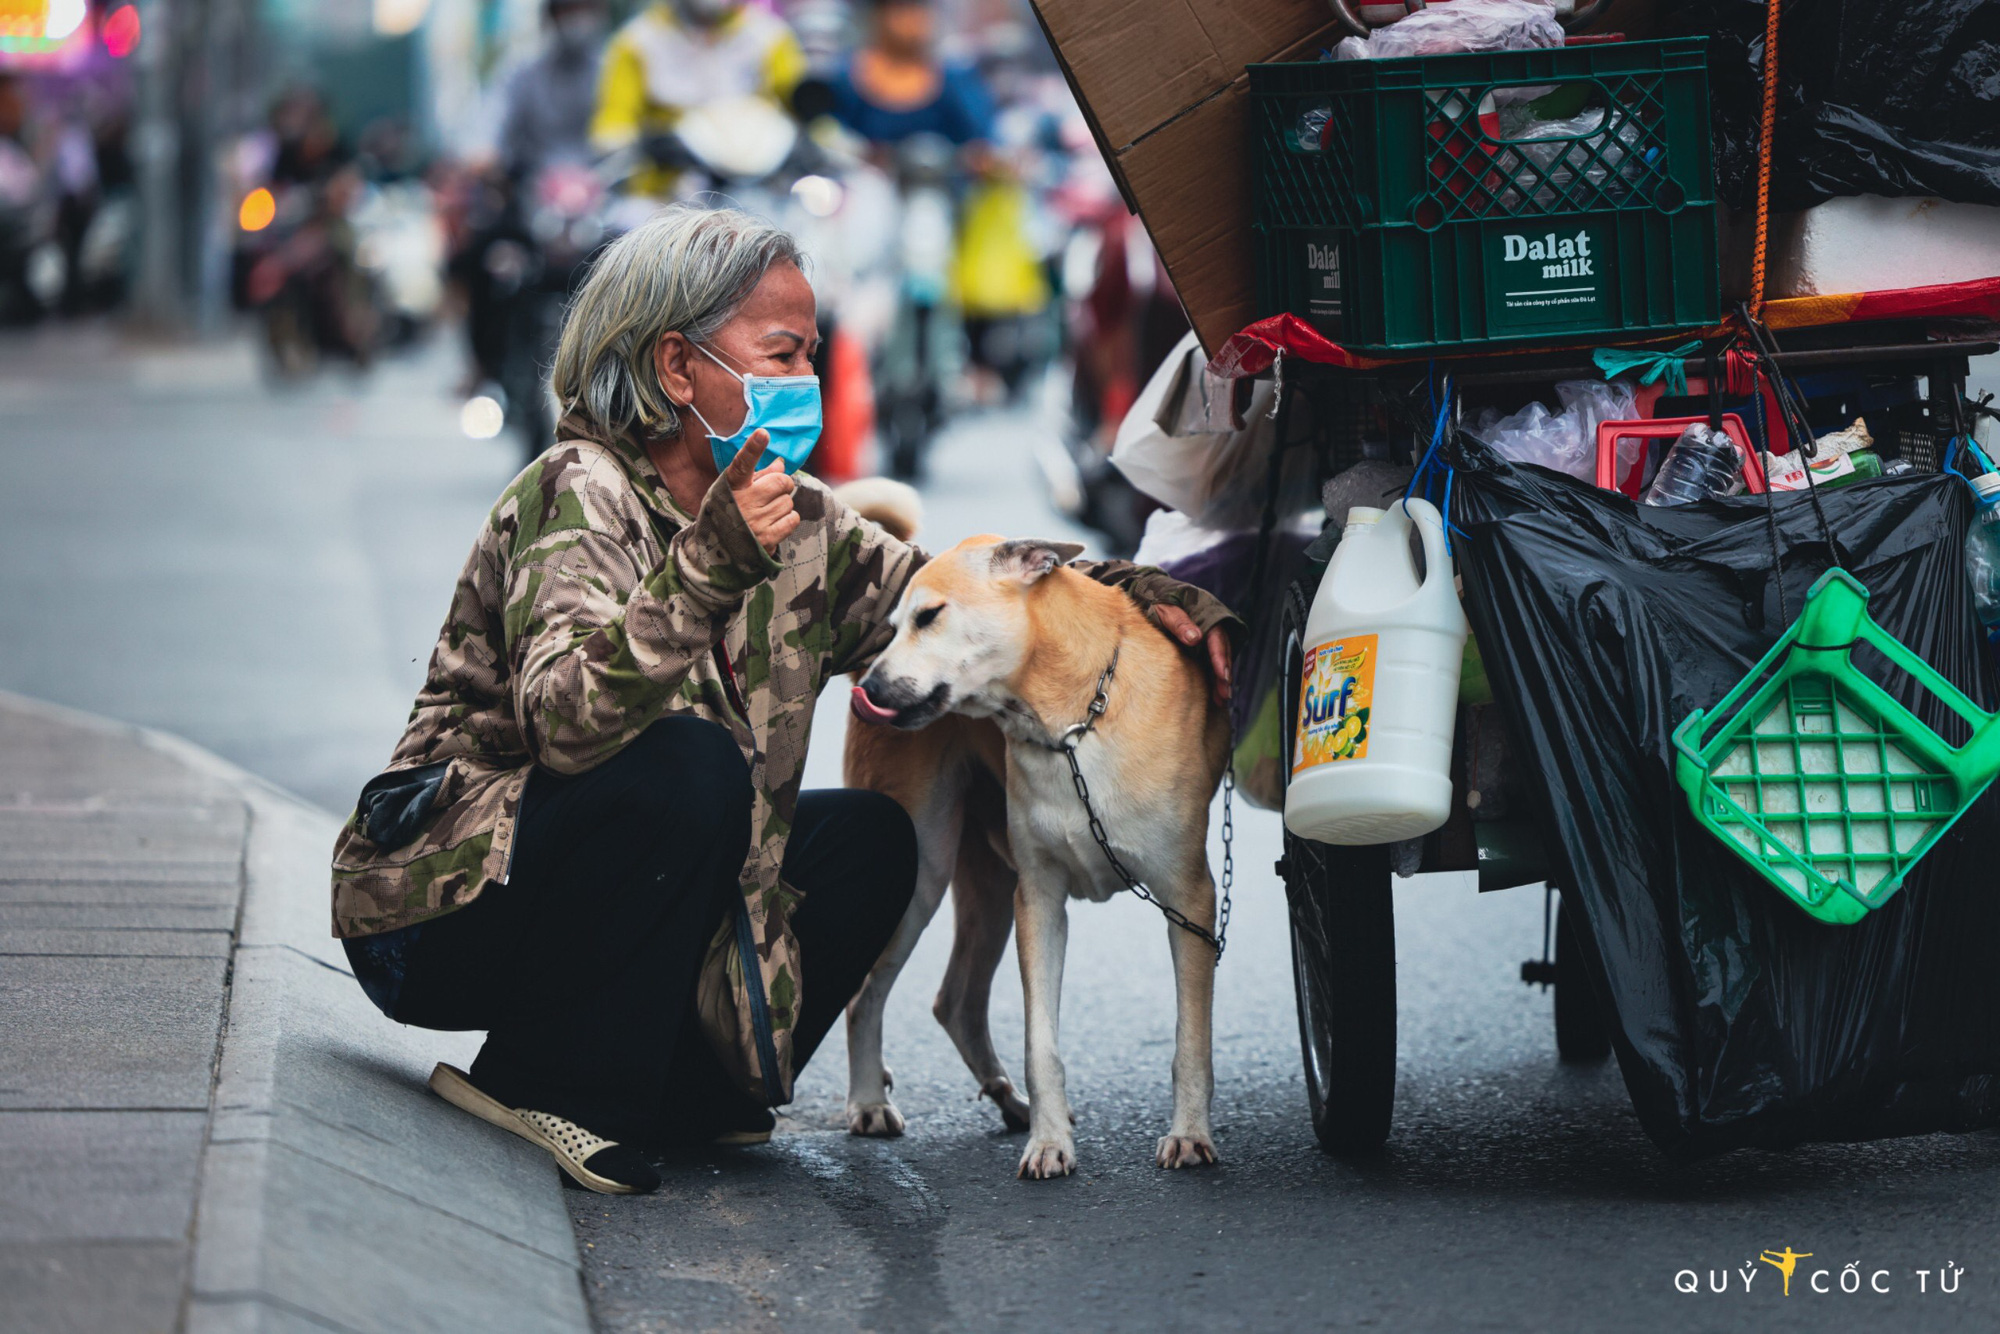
[
  {"x": 1378, "y": 689},
  {"x": 1702, "y": 463},
  {"x": 1982, "y": 554}
]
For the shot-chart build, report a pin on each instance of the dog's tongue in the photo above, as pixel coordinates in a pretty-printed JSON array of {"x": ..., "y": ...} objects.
[{"x": 868, "y": 710}]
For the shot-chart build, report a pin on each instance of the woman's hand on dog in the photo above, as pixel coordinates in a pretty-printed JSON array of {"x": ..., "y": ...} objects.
[
  {"x": 763, "y": 495},
  {"x": 1180, "y": 627}
]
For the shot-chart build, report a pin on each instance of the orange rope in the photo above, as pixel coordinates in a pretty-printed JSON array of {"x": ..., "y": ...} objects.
[{"x": 1770, "y": 124}]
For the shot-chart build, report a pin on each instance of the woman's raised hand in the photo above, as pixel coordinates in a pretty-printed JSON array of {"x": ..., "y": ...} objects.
[{"x": 763, "y": 495}]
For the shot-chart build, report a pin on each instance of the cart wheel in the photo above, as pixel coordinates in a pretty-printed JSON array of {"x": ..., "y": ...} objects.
[
  {"x": 1343, "y": 916},
  {"x": 1344, "y": 970},
  {"x": 1580, "y": 1032}
]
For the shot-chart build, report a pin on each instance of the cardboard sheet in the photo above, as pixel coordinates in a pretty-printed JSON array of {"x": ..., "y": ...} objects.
[{"x": 1162, "y": 84}]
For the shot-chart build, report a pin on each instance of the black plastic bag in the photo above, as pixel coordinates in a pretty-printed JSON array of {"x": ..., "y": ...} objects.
[
  {"x": 1873, "y": 99},
  {"x": 1739, "y": 1020}
]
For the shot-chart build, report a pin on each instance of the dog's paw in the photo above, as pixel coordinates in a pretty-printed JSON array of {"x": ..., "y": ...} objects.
[
  {"x": 876, "y": 1120},
  {"x": 1013, "y": 1107},
  {"x": 1047, "y": 1158},
  {"x": 1185, "y": 1151}
]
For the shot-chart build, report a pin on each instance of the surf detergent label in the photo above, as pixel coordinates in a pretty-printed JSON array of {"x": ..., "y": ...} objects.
[{"x": 1335, "y": 696}]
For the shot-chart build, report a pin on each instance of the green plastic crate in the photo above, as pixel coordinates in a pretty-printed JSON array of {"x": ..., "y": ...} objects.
[
  {"x": 1414, "y": 229},
  {"x": 1817, "y": 776}
]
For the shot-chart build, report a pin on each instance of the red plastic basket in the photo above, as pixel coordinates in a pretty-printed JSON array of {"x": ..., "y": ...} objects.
[{"x": 1666, "y": 428}]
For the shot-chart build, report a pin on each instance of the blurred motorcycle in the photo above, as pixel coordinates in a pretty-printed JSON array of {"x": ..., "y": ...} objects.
[
  {"x": 399, "y": 244},
  {"x": 522, "y": 268},
  {"x": 1120, "y": 321},
  {"x": 921, "y": 349},
  {"x": 32, "y": 267},
  {"x": 1002, "y": 284},
  {"x": 296, "y": 266}
]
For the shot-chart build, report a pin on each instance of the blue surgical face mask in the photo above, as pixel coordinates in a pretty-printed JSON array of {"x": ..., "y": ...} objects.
[{"x": 787, "y": 406}]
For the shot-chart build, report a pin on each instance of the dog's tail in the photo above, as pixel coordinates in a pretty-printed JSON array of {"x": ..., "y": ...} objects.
[{"x": 895, "y": 505}]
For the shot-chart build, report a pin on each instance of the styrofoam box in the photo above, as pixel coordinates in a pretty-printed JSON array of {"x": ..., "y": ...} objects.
[{"x": 1867, "y": 244}]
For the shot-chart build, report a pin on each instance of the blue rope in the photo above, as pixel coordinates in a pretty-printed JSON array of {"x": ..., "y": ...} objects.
[
  {"x": 1431, "y": 464},
  {"x": 1951, "y": 457}
]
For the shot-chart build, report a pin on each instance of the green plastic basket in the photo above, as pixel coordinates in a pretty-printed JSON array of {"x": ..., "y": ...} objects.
[
  {"x": 1815, "y": 775},
  {"x": 1407, "y": 226}
]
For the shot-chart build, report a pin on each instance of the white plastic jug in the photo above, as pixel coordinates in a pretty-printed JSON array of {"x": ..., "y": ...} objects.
[{"x": 1378, "y": 691}]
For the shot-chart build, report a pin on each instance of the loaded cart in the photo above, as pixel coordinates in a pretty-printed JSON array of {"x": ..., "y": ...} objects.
[
  {"x": 1515, "y": 755},
  {"x": 1725, "y": 695}
]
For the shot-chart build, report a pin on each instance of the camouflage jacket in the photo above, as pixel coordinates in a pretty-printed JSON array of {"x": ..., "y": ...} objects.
[{"x": 592, "y": 605}]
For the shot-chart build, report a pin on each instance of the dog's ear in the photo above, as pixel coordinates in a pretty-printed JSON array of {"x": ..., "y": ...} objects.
[{"x": 1029, "y": 558}]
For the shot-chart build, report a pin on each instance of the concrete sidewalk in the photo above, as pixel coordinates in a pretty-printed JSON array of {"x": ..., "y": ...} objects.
[{"x": 203, "y": 1123}]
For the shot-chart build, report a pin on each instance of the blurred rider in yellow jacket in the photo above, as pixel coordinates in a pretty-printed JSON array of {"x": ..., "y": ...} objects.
[{"x": 675, "y": 55}]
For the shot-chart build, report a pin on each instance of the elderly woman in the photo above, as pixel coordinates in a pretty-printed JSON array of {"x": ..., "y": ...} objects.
[{"x": 591, "y": 842}]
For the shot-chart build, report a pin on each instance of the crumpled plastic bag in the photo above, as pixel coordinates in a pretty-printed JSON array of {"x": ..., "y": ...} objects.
[
  {"x": 1565, "y": 441},
  {"x": 1898, "y": 100},
  {"x": 1374, "y": 483},
  {"x": 1179, "y": 445},
  {"x": 1462, "y": 25},
  {"x": 1561, "y": 147},
  {"x": 1172, "y": 537}
]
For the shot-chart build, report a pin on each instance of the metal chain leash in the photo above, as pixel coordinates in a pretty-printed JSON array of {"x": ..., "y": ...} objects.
[
  {"x": 1228, "y": 851},
  {"x": 1067, "y": 744}
]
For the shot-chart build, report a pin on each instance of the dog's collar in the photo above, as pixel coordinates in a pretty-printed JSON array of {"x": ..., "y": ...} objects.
[{"x": 1076, "y": 732}]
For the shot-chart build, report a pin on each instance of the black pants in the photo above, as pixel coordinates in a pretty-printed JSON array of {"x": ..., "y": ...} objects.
[{"x": 582, "y": 967}]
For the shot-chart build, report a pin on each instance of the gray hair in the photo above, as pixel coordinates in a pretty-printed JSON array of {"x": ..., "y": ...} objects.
[{"x": 684, "y": 270}]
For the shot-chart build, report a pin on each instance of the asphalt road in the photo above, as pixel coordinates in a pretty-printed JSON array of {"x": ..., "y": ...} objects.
[{"x": 265, "y": 573}]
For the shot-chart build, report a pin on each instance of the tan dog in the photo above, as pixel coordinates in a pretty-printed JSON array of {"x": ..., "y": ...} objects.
[
  {"x": 1001, "y": 630},
  {"x": 951, "y": 779}
]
